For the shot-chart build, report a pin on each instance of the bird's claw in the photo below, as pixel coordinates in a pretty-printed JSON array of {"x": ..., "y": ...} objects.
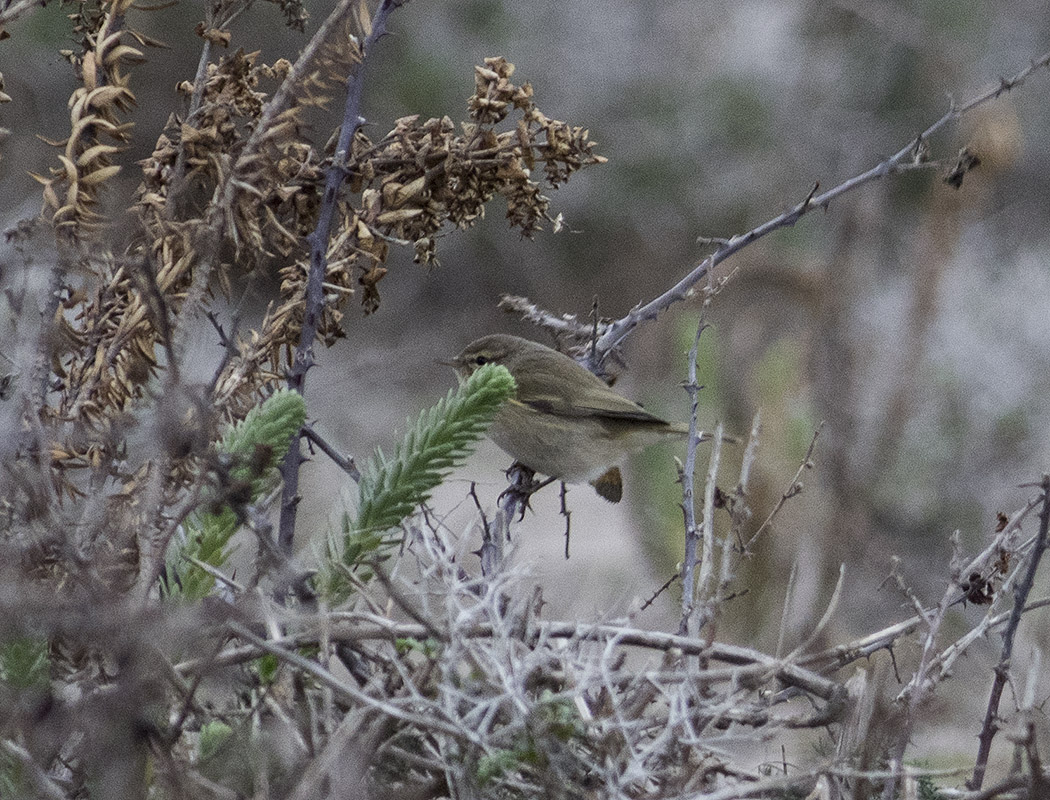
[{"x": 523, "y": 485}]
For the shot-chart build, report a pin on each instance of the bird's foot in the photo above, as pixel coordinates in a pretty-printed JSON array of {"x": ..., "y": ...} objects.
[{"x": 523, "y": 485}]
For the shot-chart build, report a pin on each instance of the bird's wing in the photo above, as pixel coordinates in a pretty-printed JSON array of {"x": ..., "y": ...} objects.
[{"x": 592, "y": 398}]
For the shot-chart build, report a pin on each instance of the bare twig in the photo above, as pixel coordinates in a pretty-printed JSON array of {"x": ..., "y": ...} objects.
[
  {"x": 785, "y": 610},
  {"x": 227, "y": 341},
  {"x": 345, "y": 463},
  {"x": 666, "y": 585},
  {"x": 740, "y": 511},
  {"x": 1021, "y": 592},
  {"x": 473, "y": 493},
  {"x": 933, "y": 666},
  {"x": 363, "y": 627},
  {"x": 568, "y": 517},
  {"x": 687, "y": 624},
  {"x": 794, "y": 489},
  {"x": 710, "y": 596},
  {"x": 406, "y": 605},
  {"x": 314, "y": 300},
  {"x": 1003, "y": 789},
  {"x": 559, "y": 325},
  {"x": 218, "y": 574},
  {"x": 841, "y": 655},
  {"x": 348, "y": 690},
  {"x": 829, "y": 612}
]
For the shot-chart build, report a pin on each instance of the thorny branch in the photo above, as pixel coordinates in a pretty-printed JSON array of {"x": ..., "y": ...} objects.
[
  {"x": 489, "y": 628},
  {"x": 687, "y": 624},
  {"x": 477, "y": 691},
  {"x": 901, "y": 161},
  {"x": 933, "y": 667},
  {"x": 614, "y": 332},
  {"x": 1021, "y": 592},
  {"x": 360, "y": 627},
  {"x": 565, "y": 324},
  {"x": 742, "y": 667},
  {"x": 314, "y": 299},
  {"x": 513, "y": 504}
]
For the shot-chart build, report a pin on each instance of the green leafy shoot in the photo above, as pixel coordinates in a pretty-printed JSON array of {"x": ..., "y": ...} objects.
[
  {"x": 442, "y": 437},
  {"x": 392, "y": 487},
  {"x": 252, "y": 448}
]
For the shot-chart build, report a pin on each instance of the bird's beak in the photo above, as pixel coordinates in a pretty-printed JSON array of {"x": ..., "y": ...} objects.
[{"x": 456, "y": 364}]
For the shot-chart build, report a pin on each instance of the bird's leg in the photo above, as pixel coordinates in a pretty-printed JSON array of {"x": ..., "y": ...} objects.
[{"x": 523, "y": 485}]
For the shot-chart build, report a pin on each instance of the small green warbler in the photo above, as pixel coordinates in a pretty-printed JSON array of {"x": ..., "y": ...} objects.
[{"x": 563, "y": 421}]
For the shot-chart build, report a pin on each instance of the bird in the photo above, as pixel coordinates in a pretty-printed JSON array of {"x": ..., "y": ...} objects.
[{"x": 562, "y": 420}]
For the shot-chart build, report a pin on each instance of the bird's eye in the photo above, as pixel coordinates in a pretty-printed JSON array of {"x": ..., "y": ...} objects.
[{"x": 481, "y": 360}]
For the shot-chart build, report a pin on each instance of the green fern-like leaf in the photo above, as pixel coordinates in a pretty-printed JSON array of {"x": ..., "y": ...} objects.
[
  {"x": 254, "y": 447},
  {"x": 259, "y": 441},
  {"x": 391, "y": 488}
]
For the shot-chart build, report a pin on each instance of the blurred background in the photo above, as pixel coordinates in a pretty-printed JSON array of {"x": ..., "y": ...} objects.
[{"x": 910, "y": 318}]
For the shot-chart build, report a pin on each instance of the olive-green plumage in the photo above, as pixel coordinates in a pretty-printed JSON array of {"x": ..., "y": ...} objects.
[{"x": 563, "y": 421}]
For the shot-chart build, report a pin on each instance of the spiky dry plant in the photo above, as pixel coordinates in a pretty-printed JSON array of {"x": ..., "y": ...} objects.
[
  {"x": 119, "y": 489},
  {"x": 134, "y": 662},
  {"x": 236, "y": 186}
]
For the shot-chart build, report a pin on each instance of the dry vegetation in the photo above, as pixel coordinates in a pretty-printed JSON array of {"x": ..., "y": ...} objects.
[{"x": 133, "y": 663}]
